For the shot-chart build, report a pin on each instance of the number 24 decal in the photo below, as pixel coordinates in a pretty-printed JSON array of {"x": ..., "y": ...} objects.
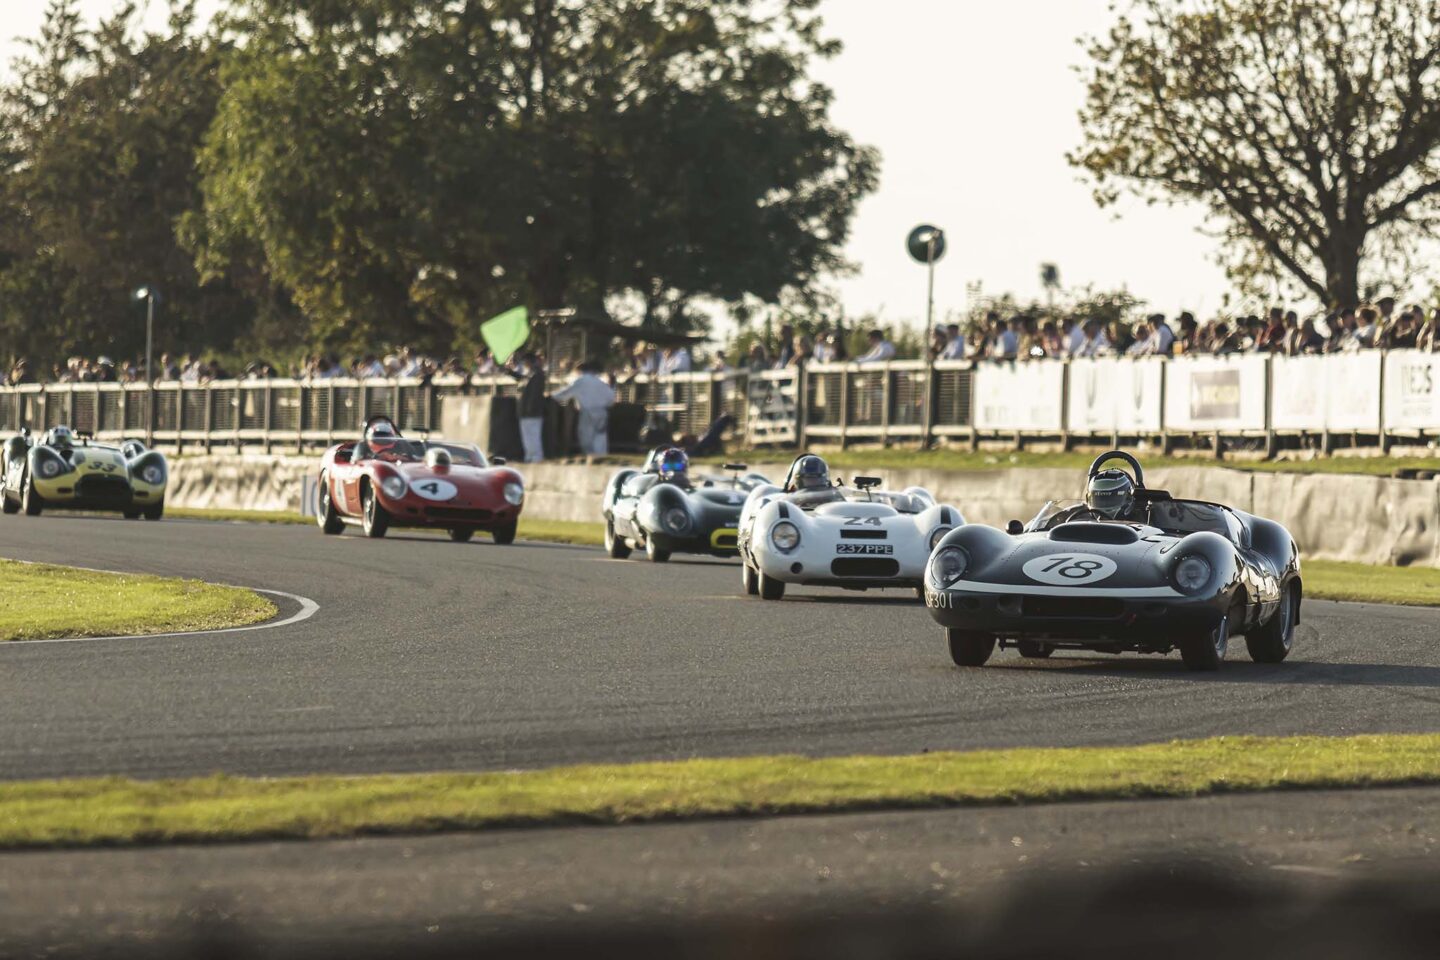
[{"x": 863, "y": 522}]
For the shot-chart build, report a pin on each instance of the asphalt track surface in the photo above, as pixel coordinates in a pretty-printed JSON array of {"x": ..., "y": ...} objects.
[{"x": 428, "y": 655}]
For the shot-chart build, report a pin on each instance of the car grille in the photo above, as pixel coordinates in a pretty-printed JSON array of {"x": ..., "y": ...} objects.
[
  {"x": 1080, "y": 608},
  {"x": 102, "y": 488},
  {"x": 864, "y": 567},
  {"x": 459, "y": 514}
]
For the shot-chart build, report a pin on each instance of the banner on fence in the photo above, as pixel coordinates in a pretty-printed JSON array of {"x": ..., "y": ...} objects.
[
  {"x": 1215, "y": 393},
  {"x": 1019, "y": 396},
  {"x": 1335, "y": 392},
  {"x": 1412, "y": 390},
  {"x": 1113, "y": 395},
  {"x": 772, "y": 409}
]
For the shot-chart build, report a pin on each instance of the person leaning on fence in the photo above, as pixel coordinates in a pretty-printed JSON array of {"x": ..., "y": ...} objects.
[
  {"x": 531, "y": 404},
  {"x": 594, "y": 397},
  {"x": 880, "y": 350}
]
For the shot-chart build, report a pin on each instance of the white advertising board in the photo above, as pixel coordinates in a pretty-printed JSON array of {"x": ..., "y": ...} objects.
[
  {"x": 1019, "y": 396},
  {"x": 1115, "y": 395},
  {"x": 1215, "y": 393},
  {"x": 1340, "y": 391},
  {"x": 1412, "y": 390}
]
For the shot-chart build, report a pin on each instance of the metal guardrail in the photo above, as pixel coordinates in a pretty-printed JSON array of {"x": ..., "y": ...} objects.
[{"x": 1370, "y": 399}]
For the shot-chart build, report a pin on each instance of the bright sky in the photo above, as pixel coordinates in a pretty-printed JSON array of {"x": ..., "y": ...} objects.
[{"x": 972, "y": 104}]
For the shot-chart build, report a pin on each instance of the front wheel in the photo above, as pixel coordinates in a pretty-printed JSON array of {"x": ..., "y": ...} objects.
[
  {"x": 1271, "y": 643},
  {"x": 8, "y": 505},
  {"x": 154, "y": 511},
  {"x": 1206, "y": 651},
  {"x": 749, "y": 579},
  {"x": 655, "y": 553},
  {"x": 770, "y": 588},
  {"x": 30, "y": 498},
  {"x": 969, "y": 648},
  {"x": 462, "y": 536},
  {"x": 1034, "y": 650},
  {"x": 505, "y": 535},
  {"x": 327, "y": 516},
  {"x": 615, "y": 546},
  {"x": 374, "y": 519},
  {"x": 131, "y": 514}
]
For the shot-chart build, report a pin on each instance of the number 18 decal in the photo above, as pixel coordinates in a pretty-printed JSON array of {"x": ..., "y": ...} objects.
[{"x": 1069, "y": 570}]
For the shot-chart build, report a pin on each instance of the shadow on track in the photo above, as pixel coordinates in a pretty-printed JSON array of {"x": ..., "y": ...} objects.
[{"x": 1237, "y": 670}]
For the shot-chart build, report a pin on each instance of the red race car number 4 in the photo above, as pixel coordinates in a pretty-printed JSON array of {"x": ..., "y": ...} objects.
[{"x": 1069, "y": 570}]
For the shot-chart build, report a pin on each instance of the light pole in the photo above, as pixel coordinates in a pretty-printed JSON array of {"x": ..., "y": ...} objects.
[
  {"x": 149, "y": 295},
  {"x": 926, "y": 245}
]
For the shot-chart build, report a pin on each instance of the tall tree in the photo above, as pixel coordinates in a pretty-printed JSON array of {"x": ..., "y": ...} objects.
[
  {"x": 406, "y": 167},
  {"x": 1309, "y": 128}
]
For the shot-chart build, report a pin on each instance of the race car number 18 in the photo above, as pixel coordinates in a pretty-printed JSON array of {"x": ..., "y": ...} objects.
[{"x": 1069, "y": 570}]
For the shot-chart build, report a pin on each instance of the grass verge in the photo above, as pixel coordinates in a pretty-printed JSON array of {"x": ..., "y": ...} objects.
[
  {"x": 220, "y": 808},
  {"x": 41, "y": 601},
  {"x": 552, "y": 531},
  {"x": 1332, "y": 580}
]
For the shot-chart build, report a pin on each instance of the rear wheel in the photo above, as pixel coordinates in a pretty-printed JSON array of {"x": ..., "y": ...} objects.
[
  {"x": 505, "y": 535},
  {"x": 8, "y": 505},
  {"x": 461, "y": 536},
  {"x": 655, "y": 552},
  {"x": 749, "y": 579},
  {"x": 154, "y": 511},
  {"x": 1206, "y": 651},
  {"x": 326, "y": 514},
  {"x": 131, "y": 514},
  {"x": 768, "y": 587},
  {"x": 615, "y": 546},
  {"x": 1271, "y": 643},
  {"x": 1034, "y": 649},
  {"x": 969, "y": 648},
  {"x": 374, "y": 519},
  {"x": 30, "y": 497}
]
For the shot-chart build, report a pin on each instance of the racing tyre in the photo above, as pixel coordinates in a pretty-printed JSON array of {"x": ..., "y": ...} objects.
[
  {"x": 654, "y": 553},
  {"x": 131, "y": 514},
  {"x": 614, "y": 545},
  {"x": 8, "y": 505},
  {"x": 327, "y": 516},
  {"x": 154, "y": 512},
  {"x": 461, "y": 536},
  {"x": 374, "y": 519},
  {"x": 768, "y": 587},
  {"x": 1271, "y": 643},
  {"x": 969, "y": 648},
  {"x": 1206, "y": 651},
  {"x": 1034, "y": 650},
  {"x": 29, "y": 498},
  {"x": 505, "y": 535},
  {"x": 749, "y": 579}
]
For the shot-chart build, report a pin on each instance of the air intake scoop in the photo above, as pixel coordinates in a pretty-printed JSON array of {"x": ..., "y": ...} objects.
[{"x": 1086, "y": 532}]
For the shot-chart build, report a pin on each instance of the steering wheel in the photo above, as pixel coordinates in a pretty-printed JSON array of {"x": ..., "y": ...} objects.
[{"x": 1130, "y": 461}]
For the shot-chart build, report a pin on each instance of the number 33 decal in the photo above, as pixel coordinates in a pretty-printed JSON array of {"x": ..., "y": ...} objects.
[{"x": 1069, "y": 570}]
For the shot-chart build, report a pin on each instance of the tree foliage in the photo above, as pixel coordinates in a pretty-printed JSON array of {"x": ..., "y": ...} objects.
[
  {"x": 419, "y": 165},
  {"x": 1309, "y": 128}
]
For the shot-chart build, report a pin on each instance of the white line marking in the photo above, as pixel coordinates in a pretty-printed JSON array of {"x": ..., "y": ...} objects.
[{"x": 308, "y": 609}]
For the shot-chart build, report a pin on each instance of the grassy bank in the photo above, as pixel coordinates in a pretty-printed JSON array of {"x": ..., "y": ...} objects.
[
  {"x": 119, "y": 811},
  {"x": 40, "y": 601},
  {"x": 1331, "y": 580}
]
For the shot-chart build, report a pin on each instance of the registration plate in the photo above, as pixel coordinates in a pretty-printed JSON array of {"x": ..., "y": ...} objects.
[{"x": 866, "y": 549}]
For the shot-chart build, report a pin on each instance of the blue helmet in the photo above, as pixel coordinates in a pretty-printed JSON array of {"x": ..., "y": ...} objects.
[
  {"x": 673, "y": 464},
  {"x": 808, "y": 473}
]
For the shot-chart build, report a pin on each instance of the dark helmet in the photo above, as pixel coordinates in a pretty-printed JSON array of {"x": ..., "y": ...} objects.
[
  {"x": 673, "y": 464},
  {"x": 809, "y": 473},
  {"x": 1110, "y": 493}
]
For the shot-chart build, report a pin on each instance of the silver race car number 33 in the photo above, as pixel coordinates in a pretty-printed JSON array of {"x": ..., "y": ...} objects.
[{"x": 1069, "y": 570}]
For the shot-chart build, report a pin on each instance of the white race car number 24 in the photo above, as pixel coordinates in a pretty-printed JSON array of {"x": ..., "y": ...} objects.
[{"x": 1069, "y": 570}]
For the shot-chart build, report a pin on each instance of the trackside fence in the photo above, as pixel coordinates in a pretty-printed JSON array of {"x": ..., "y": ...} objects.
[{"x": 1370, "y": 399}]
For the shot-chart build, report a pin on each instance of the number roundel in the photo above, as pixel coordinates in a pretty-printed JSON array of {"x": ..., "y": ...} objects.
[
  {"x": 433, "y": 489},
  {"x": 1069, "y": 569}
]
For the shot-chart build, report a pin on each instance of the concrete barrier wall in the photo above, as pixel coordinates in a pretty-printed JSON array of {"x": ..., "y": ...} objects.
[{"x": 1364, "y": 519}]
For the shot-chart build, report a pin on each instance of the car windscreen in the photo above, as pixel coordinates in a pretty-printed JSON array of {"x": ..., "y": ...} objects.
[
  {"x": 460, "y": 454},
  {"x": 1054, "y": 513},
  {"x": 396, "y": 450},
  {"x": 1181, "y": 517},
  {"x": 901, "y": 502}
]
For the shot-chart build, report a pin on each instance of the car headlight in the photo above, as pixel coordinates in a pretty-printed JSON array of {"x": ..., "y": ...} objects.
[
  {"x": 1192, "y": 573},
  {"x": 514, "y": 494},
  {"x": 49, "y": 468},
  {"x": 937, "y": 536},
  {"x": 947, "y": 566},
  {"x": 393, "y": 486},
  {"x": 785, "y": 535},
  {"x": 675, "y": 519},
  {"x": 152, "y": 474}
]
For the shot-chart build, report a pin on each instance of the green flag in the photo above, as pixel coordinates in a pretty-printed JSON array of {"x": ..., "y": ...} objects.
[{"x": 506, "y": 333}]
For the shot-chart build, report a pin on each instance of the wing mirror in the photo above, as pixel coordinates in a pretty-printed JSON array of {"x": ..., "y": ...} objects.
[
  {"x": 1014, "y": 528},
  {"x": 498, "y": 461},
  {"x": 342, "y": 456},
  {"x": 735, "y": 467},
  {"x": 867, "y": 483}
]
